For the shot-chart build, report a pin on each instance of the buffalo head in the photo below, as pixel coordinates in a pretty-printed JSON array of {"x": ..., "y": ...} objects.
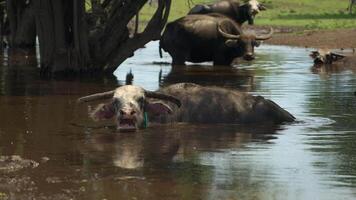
[
  {"x": 253, "y": 8},
  {"x": 129, "y": 106},
  {"x": 325, "y": 56},
  {"x": 245, "y": 42}
]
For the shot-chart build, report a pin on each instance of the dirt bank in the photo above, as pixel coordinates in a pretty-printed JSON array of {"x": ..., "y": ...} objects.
[{"x": 333, "y": 39}]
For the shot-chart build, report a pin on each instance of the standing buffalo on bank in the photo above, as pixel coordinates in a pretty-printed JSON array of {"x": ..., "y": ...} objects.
[
  {"x": 132, "y": 107},
  {"x": 231, "y": 8},
  {"x": 211, "y": 37}
]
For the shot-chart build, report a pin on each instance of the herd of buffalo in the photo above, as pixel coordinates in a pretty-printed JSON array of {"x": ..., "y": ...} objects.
[
  {"x": 213, "y": 33},
  {"x": 207, "y": 33}
]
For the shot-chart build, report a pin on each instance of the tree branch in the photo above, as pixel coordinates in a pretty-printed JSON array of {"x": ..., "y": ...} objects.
[
  {"x": 151, "y": 32},
  {"x": 115, "y": 31}
]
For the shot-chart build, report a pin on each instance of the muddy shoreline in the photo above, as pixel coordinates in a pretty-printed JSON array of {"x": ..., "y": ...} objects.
[{"x": 332, "y": 39}]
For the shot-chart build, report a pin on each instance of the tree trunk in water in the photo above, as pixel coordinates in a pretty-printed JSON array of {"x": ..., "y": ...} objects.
[
  {"x": 62, "y": 35},
  {"x": 2, "y": 23},
  {"x": 74, "y": 41},
  {"x": 22, "y": 24},
  {"x": 68, "y": 43}
]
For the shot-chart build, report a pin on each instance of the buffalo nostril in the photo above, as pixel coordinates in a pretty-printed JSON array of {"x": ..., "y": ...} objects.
[
  {"x": 249, "y": 57},
  {"x": 127, "y": 112}
]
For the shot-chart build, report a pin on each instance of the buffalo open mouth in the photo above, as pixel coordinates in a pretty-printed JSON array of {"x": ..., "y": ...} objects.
[
  {"x": 127, "y": 125},
  {"x": 318, "y": 61}
]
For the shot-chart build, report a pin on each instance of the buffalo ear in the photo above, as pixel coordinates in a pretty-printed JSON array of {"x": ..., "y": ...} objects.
[
  {"x": 158, "y": 108},
  {"x": 231, "y": 43},
  {"x": 103, "y": 111}
]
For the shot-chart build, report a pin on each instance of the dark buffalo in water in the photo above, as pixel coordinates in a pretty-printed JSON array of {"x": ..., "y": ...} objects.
[
  {"x": 231, "y": 8},
  {"x": 210, "y": 37},
  {"x": 132, "y": 106}
]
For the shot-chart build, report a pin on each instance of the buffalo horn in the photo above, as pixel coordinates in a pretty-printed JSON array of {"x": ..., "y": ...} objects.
[
  {"x": 161, "y": 96},
  {"x": 337, "y": 55},
  {"x": 265, "y": 37},
  {"x": 262, "y": 7},
  {"x": 227, "y": 35},
  {"x": 98, "y": 96}
]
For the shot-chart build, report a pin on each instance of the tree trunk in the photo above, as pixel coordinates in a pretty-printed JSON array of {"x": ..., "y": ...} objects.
[
  {"x": 62, "y": 35},
  {"x": 2, "y": 23},
  {"x": 73, "y": 41},
  {"x": 22, "y": 24}
]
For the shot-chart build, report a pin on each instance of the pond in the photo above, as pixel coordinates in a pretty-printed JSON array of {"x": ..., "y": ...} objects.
[{"x": 314, "y": 158}]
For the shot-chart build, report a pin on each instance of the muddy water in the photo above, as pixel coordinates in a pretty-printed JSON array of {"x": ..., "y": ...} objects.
[{"x": 79, "y": 159}]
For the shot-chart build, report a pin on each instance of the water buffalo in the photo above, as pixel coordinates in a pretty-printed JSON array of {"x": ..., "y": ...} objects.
[
  {"x": 132, "y": 106},
  {"x": 327, "y": 57},
  {"x": 210, "y": 37},
  {"x": 231, "y": 8},
  {"x": 327, "y": 61}
]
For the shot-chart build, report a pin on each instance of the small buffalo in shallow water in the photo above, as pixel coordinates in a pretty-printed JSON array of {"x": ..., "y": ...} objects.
[
  {"x": 333, "y": 61},
  {"x": 325, "y": 56},
  {"x": 132, "y": 106},
  {"x": 328, "y": 62},
  {"x": 231, "y": 8},
  {"x": 210, "y": 37}
]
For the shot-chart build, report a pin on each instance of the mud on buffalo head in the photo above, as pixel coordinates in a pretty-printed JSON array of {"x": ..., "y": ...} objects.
[
  {"x": 129, "y": 106},
  {"x": 253, "y": 8},
  {"x": 245, "y": 42}
]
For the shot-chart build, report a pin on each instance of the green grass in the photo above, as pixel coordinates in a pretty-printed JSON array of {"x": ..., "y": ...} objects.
[
  {"x": 179, "y": 8},
  {"x": 3, "y": 196},
  {"x": 310, "y": 14}
]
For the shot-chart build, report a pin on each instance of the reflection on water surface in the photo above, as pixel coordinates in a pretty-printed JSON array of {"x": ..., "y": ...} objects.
[{"x": 311, "y": 159}]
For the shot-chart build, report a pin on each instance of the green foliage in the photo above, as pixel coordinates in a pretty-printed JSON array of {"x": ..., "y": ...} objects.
[
  {"x": 3, "y": 196},
  {"x": 88, "y": 6}
]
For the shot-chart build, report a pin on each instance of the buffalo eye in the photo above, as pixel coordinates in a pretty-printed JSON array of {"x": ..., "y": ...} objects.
[
  {"x": 116, "y": 104},
  {"x": 256, "y": 43}
]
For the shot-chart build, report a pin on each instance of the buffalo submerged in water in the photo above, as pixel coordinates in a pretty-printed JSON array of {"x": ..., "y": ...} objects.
[
  {"x": 132, "y": 107},
  {"x": 211, "y": 37},
  {"x": 328, "y": 57}
]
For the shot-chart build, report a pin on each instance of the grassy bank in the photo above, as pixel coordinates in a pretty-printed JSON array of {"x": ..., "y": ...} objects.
[{"x": 310, "y": 14}]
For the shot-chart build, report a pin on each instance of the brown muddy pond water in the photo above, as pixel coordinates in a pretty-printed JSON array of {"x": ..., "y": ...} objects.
[{"x": 77, "y": 158}]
